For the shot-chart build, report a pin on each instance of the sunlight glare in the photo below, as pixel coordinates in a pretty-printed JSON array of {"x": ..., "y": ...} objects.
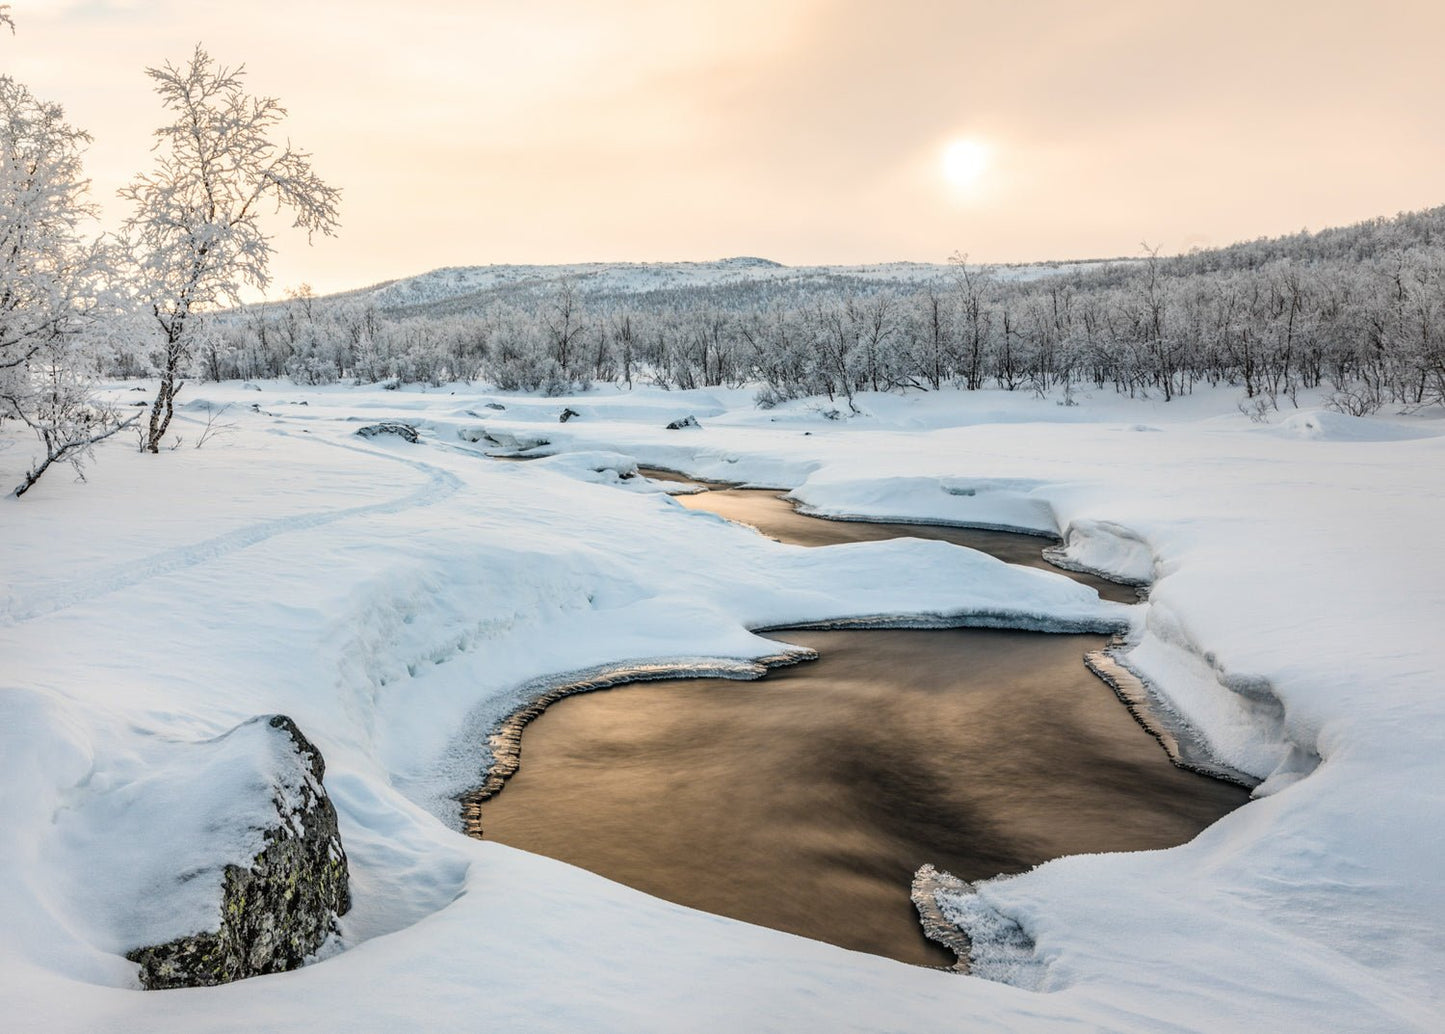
[{"x": 965, "y": 161}]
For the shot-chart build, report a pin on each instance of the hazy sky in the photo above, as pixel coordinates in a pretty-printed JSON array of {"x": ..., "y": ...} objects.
[{"x": 806, "y": 131}]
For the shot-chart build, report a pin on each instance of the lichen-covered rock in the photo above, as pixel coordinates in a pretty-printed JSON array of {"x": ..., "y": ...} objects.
[
  {"x": 403, "y": 431},
  {"x": 279, "y": 909}
]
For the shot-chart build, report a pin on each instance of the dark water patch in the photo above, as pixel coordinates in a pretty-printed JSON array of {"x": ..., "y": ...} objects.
[
  {"x": 504, "y": 743},
  {"x": 807, "y": 800},
  {"x": 772, "y": 514},
  {"x": 676, "y": 477}
]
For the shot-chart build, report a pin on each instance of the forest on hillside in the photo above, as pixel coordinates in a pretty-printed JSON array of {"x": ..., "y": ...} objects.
[{"x": 1358, "y": 311}]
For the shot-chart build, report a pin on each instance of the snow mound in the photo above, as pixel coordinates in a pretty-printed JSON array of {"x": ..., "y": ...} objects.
[
  {"x": 1105, "y": 548},
  {"x": 1241, "y": 718},
  {"x": 1323, "y": 425},
  {"x": 1012, "y": 504},
  {"x": 600, "y": 468}
]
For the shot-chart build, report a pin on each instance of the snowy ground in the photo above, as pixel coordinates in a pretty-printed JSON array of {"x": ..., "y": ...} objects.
[{"x": 393, "y": 598}]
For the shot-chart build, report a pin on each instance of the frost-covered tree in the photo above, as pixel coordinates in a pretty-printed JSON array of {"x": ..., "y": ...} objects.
[
  {"x": 1357, "y": 313},
  {"x": 52, "y": 283},
  {"x": 196, "y": 233}
]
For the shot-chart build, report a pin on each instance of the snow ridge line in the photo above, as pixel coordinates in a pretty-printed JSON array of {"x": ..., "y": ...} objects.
[
  {"x": 440, "y": 485},
  {"x": 1004, "y": 619},
  {"x": 939, "y": 522}
]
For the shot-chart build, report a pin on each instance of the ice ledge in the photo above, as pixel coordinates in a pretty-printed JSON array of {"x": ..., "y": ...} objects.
[
  {"x": 986, "y": 942},
  {"x": 1023, "y": 622},
  {"x": 1233, "y": 721},
  {"x": 1186, "y": 746},
  {"x": 1105, "y": 549}
]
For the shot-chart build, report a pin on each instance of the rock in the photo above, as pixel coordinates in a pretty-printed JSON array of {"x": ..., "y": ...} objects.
[
  {"x": 568, "y": 414},
  {"x": 403, "y": 431},
  {"x": 514, "y": 443},
  {"x": 494, "y": 405},
  {"x": 687, "y": 421},
  {"x": 279, "y": 909}
]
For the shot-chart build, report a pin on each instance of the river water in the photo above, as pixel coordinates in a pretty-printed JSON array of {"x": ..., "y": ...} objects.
[{"x": 805, "y": 801}]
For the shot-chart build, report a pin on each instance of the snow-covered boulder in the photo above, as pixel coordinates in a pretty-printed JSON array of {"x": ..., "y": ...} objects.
[
  {"x": 403, "y": 431},
  {"x": 268, "y": 905},
  {"x": 599, "y": 467},
  {"x": 511, "y": 442},
  {"x": 685, "y": 422}
]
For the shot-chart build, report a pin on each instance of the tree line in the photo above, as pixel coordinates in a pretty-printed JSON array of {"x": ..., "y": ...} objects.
[{"x": 1358, "y": 312}]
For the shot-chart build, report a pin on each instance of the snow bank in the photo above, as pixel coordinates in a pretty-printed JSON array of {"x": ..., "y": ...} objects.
[
  {"x": 1323, "y": 425},
  {"x": 1009, "y": 503},
  {"x": 1106, "y": 548}
]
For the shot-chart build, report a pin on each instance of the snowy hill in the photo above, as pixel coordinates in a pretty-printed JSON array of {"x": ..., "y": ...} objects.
[{"x": 463, "y": 285}]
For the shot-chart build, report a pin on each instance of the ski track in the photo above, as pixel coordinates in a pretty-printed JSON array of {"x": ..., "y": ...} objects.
[{"x": 440, "y": 485}]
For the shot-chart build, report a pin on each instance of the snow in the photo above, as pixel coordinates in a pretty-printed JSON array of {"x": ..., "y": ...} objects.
[
  {"x": 632, "y": 278},
  {"x": 397, "y": 600}
]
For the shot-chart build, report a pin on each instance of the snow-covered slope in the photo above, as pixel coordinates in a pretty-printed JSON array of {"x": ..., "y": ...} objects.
[
  {"x": 631, "y": 278},
  {"x": 395, "y": 599}
]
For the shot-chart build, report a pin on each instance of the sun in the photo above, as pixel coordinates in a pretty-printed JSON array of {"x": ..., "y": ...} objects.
[{"x": 965, "y": 161}]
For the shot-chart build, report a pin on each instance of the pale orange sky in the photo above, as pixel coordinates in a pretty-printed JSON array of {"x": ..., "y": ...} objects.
[{"x": 804, "y": 131}]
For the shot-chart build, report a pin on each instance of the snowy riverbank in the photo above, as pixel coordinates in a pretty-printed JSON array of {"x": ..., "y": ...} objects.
[{"x": 395, "y": 599}]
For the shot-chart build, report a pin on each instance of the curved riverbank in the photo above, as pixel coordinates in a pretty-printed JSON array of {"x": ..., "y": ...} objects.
[{"x": 808, "y": 800}]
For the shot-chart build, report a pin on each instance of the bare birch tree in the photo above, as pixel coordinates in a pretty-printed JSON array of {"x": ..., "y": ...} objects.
[
  {"x": 196, "y": 233},
  {"x": 52, "y": 283}
]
